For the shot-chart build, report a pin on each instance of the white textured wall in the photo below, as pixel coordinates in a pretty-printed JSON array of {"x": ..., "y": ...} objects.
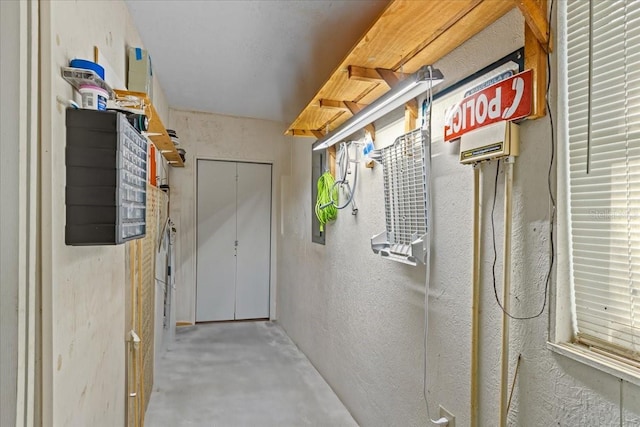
[
  {"x": 83, "y": 296},
  {"x": 218, "y": 137},
  {"x": 359, "y": 318}
]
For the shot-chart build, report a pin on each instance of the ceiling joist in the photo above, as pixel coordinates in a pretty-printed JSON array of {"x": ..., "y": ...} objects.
[
  {"x": 535, "y": 56},
  {"x": 412, "y": 108},
  {"x": 340, "y": 105},
  {"x": 332, "y": 103},
  {"x": 354, "y": 107},
  {"x": 363, "y": 74},
  {"x": 375, "y": 75},
  {"x": 399, "y": 42},
  {"x": 535, "y": 15},
  {"x": 300, "y": 132},
  {"x": 390, "y": 77}
]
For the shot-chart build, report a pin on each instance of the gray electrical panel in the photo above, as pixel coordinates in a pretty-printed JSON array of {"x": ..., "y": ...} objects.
[{"x": 106, "y": 162}]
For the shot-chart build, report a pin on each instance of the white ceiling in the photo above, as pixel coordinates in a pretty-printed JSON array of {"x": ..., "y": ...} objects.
[{"x": 255, "y": 58}]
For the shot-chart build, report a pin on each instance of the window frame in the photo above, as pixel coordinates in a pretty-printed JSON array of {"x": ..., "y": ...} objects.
[{"x": 562, "y": 327}]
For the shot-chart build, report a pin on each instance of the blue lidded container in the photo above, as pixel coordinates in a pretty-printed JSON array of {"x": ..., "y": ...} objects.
[{"x": 88, "y": 65}]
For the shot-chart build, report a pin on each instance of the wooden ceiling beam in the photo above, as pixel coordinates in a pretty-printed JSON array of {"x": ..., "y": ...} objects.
[
  {"x": 300, "y": 132},
  {"x": 478, "y": 18},
  {"x": 410, "y": 115},
  {"x": 535, "y": 58},
  {"x": 332, "y": 103},
  {"x": 340, "y": 105},
  {"x": 412, "y": 107},
  {"x": 375, "y": 75},
  {"x": 399, "y": 41},
  {"x": 463, "y": 9},
  {"x": 363, "y": 74},
  {"x": 535, "y": 15},
  {"x": 354, "y": 107},
  {"x": 390, "y": 77}
]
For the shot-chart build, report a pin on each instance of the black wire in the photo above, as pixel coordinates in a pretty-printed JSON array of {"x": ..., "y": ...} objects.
[
  {"x": 552, "y": 249},
  {"x": 493, "y": 234}
]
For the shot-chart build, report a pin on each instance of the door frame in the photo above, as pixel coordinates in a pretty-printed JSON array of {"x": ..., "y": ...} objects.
[
  {"x": 26, "y": 349},
  {"x": 273, "y": 231}
]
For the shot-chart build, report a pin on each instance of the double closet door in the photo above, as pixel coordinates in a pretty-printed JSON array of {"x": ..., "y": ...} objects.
[{"x": 233, "y": 240}]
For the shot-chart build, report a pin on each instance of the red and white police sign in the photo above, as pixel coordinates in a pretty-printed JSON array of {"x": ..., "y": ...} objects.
[{"x": 509, "y": 99}]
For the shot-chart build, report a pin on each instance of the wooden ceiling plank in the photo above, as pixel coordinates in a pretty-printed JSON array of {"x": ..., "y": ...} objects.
[
  {"x": 375, "y": 75},
  {"x": 400, "y": 39},
  {"x": 483, "y": 15},
  {"x": 535, "y": 58},
  {"x": 363, "y": 74},
  {"x": 535, "y": 15},
  {"x": 332, "y": 103},
  {"x": 402, "y": 29},
  {"x": 332, "y": 159},
  {"x": 412, "y": 107},
  {"x": 377, "y": 91},
  {"x": 390, "y": 77},
  {"x": 409, "y": 121},
  {"x": 299, "y": 132},
  {"x": 335, "y": 120},
  {"x": 440, "y": 30},
  {"x": 399, "y": 30},
  {"x": 410, "y": 115},
  {"x": 314, "y": 117},
  {"x": 353, "y": 107}
]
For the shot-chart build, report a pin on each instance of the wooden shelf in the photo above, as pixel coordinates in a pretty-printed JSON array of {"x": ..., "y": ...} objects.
[
  {"x": 162, "y": 140},
  {"x": 408, "y": 35}
]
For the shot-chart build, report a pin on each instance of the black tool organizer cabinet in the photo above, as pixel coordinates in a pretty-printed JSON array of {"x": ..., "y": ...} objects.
[{"x": 106, "y": 160}]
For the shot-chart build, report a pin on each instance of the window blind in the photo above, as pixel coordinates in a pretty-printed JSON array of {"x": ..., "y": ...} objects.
[{"x": 603, "y": 54}]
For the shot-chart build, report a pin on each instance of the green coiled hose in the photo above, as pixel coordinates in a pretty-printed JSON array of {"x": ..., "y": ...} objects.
[{"x": 327, "y": 194}]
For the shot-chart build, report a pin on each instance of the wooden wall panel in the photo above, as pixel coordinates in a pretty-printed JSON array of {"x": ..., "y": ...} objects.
[{"x": 142, "y": 258}]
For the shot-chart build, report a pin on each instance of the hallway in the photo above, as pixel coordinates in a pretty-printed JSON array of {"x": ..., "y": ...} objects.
[{"x": 240, "y": 374}]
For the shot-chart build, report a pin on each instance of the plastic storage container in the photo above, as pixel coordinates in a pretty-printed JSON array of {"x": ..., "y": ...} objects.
[
  {"x": 106, "y": 160},
  {"x": 93, "y": 97}
]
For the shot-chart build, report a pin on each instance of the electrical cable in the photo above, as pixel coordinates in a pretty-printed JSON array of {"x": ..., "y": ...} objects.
[
  {"x": 552, "y": 200},
  {"x": 327, "y": 192},
  {"x": 427, "y": 128},
  {"x": 344, "y": 160},
  {"x": 513, "y": 384}
]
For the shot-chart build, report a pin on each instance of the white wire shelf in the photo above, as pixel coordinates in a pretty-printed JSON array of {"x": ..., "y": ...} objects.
[{"x": 404, "y": 172}]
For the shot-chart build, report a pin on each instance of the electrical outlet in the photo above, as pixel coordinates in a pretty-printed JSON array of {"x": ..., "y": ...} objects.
[{"x": 449, "y": 416}]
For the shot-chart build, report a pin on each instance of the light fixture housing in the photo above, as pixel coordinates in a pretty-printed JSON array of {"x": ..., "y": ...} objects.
[{"x": 409, "y": 88}]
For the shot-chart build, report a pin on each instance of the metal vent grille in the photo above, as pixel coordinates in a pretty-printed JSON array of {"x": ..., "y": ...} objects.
[{"x": 405, "y": 199}]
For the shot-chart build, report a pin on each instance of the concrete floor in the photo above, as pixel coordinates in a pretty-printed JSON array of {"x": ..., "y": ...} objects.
[{"x": 240, "y": 374}]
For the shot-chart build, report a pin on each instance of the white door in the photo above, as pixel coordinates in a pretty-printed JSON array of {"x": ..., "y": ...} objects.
[
  {"x": 216, "y": 260},
  {"x": 233, "y": 240},
  {"x": 254, "y": 241}
]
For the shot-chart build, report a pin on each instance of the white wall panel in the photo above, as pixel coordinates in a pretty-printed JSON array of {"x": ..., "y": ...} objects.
[
  {"x": 217, "y": 137},
  {"x": 359, "y": 318},
  {"x": 83, "y": 292}
]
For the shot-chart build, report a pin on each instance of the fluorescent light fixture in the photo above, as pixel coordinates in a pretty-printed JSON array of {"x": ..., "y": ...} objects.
[{"x": 409, "y": 88}]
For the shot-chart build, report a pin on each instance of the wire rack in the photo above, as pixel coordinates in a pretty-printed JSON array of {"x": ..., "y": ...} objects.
[{"x": 405, "y": 199}]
